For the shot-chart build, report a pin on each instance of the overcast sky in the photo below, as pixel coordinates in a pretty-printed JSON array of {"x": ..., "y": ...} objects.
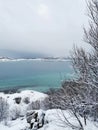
[{"x": 43, "y": 26}]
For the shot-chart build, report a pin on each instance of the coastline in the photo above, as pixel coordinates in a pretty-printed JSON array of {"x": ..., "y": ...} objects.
[{"x": 34, "y": 59}]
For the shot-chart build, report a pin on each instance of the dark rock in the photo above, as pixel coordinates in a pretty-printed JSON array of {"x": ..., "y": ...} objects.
[
  {"x": 35, "y": 119},
  {"x": 18, "y": 100}
]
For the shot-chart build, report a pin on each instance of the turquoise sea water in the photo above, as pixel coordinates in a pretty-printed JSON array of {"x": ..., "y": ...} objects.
[{"x": 33, "y": 74}]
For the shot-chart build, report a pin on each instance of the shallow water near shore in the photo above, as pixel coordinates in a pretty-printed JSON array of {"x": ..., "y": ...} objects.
[{"x": 34, "y": 74}]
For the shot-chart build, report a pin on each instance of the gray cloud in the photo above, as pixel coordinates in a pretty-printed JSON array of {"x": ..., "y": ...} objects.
[{"x": 44, "y": 26}]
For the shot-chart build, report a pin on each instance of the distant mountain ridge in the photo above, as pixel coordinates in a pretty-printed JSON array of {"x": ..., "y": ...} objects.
[
  {"x": 13, "y": 54},
  {"x": 19, "y": 54}
]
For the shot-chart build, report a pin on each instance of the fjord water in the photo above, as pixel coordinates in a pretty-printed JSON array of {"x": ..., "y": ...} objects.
[{"x": 34, "y": 74}]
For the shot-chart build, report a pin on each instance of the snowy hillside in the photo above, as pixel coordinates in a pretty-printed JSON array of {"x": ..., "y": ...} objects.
[{"x": 19, "y": 104}]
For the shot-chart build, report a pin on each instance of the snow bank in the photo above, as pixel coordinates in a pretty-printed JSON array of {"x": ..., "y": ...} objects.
[
  {"x": 32, "y": 95},
  {"x": 19, "y": 102}
]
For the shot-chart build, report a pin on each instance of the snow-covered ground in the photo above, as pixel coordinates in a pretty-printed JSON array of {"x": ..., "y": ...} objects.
[
  {"x": 54, "y": 119},
  {"x": 54, "y": 123}
]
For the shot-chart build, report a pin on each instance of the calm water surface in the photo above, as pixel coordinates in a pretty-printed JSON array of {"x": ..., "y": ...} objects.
[{"x": 33, "y": 74}]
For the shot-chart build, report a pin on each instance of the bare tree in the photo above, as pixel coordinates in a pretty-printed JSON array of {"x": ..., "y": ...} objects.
[
  {"x": 81, "y": 98},
  {"x": 68, "y": 97},
  {"x": 86, "y": 64}
]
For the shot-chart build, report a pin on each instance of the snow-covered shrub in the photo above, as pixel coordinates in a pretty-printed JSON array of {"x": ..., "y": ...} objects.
[
  {"x": 26, "y": 100},
  {"x": 34, "y": 105},
  {"x": 68, "y": 97},
  {"x": 46, "y": 104},
  {"x": 4, "y": 109},
  {"x": 94, "y": 112},
  {"x": 53, "y": 100},
  {"x": 15, "y": 112}
]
